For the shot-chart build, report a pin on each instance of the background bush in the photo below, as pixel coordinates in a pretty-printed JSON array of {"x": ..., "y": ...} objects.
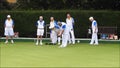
[{"x": 25, "y": 20}]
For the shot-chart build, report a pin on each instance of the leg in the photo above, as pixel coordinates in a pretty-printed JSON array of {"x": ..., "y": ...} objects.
[
  {"x": 96, "y": 39},
  {"x": 11, "y": 33},
  {"x": 73, "y": 36},
  {"x": 52, "y": 37},
  {"x": 93, "y": 38},
  {"x": 6, "y": 40},
  {"x": 6, "y": 34},
  {"x": 38, "y": 36},
  {"x": 59, "y": 38},
  {"x": 12, "y": 39},
  {"x": 40, "y": 39},
  {"x": 64, "y": 40},
  {"x": 37, "y": 40},
  {"x": 55, "y": 37},
  {"x": 41, "y": 35},
  {"x": 69, "y": 38}
]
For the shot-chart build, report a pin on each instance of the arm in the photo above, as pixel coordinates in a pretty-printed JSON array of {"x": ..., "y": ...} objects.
[
  {"x": 44, "y": 24},
  {"x": 5, "y": 24},
  {"x": 95, "y": 25},
  {"x": 13, "y": 24},
  {"x": 37, "y": 24},
  {"x": 62, "y": 31},
  {"x": 73, "y": 22},
  {"x": 52, "y": 26}
]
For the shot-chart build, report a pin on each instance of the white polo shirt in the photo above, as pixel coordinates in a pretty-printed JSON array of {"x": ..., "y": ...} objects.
[
  {"x": 70, "y": 22},
  {"x": 9, "y": 24},
  {"x": 94, "y": 26},
  {"x": 63, "y": 27},
  {"x": 40, "y": 24}
]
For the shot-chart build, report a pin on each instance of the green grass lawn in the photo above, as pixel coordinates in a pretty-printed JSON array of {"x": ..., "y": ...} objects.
[{"x": 26, "y": 54}]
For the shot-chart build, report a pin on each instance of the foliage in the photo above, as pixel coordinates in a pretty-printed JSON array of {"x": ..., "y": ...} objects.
[
  {"x": 61, "y": 4},
  {"x": 25, "y": 20}
]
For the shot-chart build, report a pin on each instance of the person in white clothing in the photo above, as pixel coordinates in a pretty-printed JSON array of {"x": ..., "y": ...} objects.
[
  {"x": 9, "y": 26},
  {"x": 53, "y": 33},
  {"x": 40, "y": 30},
  {"x": 64, "y": 31},
  {"x": 70, "y": 23},
  {"x": 94, "y": 39}
]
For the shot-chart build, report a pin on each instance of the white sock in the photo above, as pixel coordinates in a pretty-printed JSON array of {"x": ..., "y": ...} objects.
[
  {"x": 59, "y": 39},
  {"x": 37, "y": 41},
  {"x": 40, "y": 41}
]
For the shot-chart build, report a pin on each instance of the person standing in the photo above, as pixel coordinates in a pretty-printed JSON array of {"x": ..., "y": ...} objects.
[
  {"x": 70, "y": 23},
  {"x": 53, "y": 33},
  {"x": 40, "y": 30},
  {"x": 9, "y": 29},
  {"x": 94, "y": 26}
]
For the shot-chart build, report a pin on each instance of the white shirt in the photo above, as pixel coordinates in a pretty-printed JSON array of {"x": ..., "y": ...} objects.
[
  {"x": 94, "y": 26},
  {"x": 52, "y": 24},
  {"x": 40, "y": 24},
  {"x": 63, "y": 27},
  {"x": 70, "y": 22},
  {"x": 9, "y": 24}
]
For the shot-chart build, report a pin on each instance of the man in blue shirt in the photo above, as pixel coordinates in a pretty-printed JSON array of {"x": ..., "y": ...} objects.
[
  {"x": 94, "y": 26},
  {"x": 40, "y": 30},
  {"x": 64, "y": 32}
]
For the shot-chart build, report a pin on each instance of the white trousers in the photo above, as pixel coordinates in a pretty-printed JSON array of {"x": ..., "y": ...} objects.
[
  {"x": 94, "y": 39},
  {"x": 71, "y": 36},
  {"x": 64, "y": 40},
  {"x": 53, "y": 36}
]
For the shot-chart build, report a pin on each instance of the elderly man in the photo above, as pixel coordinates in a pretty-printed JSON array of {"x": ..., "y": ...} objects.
[
  {"x": 40, "y": 30},
  {"x": 94, "y": 39},
  {"x": 64, "y": 32},
  {"x": 9, "y": 26}
]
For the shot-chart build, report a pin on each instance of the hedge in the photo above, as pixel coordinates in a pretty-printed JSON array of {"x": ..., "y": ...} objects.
[{"x": 25, "y": 20}]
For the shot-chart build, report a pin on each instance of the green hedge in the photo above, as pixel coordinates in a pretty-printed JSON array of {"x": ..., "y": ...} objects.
[{"x": 25, "y": 20}]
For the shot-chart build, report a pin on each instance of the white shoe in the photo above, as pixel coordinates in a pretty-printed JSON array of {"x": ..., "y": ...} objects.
[
  {"x": 69, "y": 42},
  {"x": 36, "y": 43},
  {"x": 58, "y": 43},
  {"x": 91, "y": 44},
  {"x": 6, "y": 42},
  {"x": 95, "y": 44},
  {"x": 73, "y": 43},
  {"x": 60, "y": 46},
  {"x": 41, "y": 43},
  {"x": 12, "y": 41}
]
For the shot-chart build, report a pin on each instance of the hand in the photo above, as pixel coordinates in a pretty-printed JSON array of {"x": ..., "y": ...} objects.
[
  {"x": 94, "y": 31},
  {"x": 59, "y": 35}
]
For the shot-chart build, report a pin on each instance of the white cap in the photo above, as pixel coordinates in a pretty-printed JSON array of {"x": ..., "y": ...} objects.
[
  {"x": 8, "y": 16},
  {"x": 91, "y": 18}
]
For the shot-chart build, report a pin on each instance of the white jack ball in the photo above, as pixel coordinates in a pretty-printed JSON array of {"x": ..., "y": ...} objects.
[{"x": 78, "y": 41}]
